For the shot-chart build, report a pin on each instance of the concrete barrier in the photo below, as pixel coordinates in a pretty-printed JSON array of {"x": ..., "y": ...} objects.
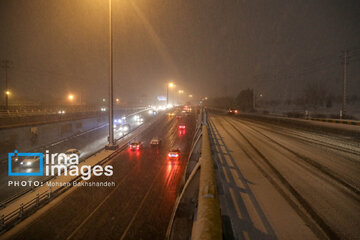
[
  {"x": 349, "y": 122},
  {"x": 208, "y": 223}
]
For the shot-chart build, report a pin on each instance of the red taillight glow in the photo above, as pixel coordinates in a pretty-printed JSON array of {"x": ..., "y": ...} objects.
[{"x": 182, "y": 127}]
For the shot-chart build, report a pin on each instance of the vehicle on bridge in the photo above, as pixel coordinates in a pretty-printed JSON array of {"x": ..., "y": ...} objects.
[
  {"x": 136, "y": 146},
  {"x": 155, "y": 142},
  {"x": 124, "y": 128},
  {"x": 232, "y": 111},
  {"x": 31, "y": 161},
  {"x": 73, "y": 151},
  {"x": 174, "y": 154}
]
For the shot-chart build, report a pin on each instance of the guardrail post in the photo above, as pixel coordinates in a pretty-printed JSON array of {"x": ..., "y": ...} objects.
[
  {"x": 50, "y": 192},
  {"x": 21, "y": 210}
]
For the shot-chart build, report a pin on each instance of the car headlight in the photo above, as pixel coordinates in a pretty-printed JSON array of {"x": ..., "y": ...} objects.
[{"x": 28, "y": 164}]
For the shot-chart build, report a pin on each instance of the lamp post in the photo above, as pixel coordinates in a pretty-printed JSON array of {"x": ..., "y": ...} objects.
[
  {"x": 7, "y": 94},
  {"x": 111, "y": 145},
  {"x": 170, "y": 85}
]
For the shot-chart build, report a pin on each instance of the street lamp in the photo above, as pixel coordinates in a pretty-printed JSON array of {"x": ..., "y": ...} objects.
[
  {"x": 7, "y": 94},
  {"x": 170, "y": 85},
  {"x": 71, "y": 97},
  {"x": 111, "y": 145}
]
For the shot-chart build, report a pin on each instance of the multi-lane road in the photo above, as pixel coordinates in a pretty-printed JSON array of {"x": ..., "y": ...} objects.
[
  {"x": 87, "y": 142},
  {"x": 140, "y": 204},
  {"x": 275, "y": 181},
  {"x": 279, "y": 182}
]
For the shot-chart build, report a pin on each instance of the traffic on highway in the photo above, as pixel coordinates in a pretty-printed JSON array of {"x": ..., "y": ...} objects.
[{"x": 179, "y": 120}]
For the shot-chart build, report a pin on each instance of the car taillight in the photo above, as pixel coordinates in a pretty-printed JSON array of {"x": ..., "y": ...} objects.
[{"x": 182, "y": 126}]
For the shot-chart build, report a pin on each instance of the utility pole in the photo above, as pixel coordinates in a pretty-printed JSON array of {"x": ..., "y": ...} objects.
[
  {"x": 343, "y": 109},
  {"x": 6, "y": 65}
]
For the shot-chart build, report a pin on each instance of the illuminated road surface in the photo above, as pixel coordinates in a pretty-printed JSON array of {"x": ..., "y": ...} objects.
[
  {"x": 138, "y": 207},
  {"x": 279, "y": 182},
  {"x": 88, "y": 143}
]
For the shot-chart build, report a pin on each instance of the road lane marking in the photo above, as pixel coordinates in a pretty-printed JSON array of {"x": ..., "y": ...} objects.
[
  {"x": 141, "y": 205},
  {"x": 100, "y": 205}
]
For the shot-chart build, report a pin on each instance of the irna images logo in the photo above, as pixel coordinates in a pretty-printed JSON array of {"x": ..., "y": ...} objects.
[
  {"x": 55, "y": 164},
  {"x": 31, "y": 158}
]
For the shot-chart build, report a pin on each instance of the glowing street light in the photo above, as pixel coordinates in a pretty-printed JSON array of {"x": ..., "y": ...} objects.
[
  {"x": 8, "y": 93},
  {"x": 71, "y": 97},
  {"x": 117, "y": 100},
  {"x": 181, "y": 91}
]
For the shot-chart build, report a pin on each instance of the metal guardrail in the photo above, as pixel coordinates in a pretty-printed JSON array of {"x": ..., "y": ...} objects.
[
  {"x": 349, "y": 122},
  {"x": 61, "y": 110}
]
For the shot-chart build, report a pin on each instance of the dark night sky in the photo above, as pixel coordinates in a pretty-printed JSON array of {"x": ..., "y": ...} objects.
[{"x": 208, "y": 47}]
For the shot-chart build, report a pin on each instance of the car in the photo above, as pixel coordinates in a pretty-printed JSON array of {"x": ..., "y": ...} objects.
[
  {"x": 174, "y": 154},
  {"x": 30, "y": 161},
  {"x": 182, "y": 126},
  {"x": 73, "y": 151},
  {"x": 232, "y": 111},
  {"x": 135, "y": 146},
  {"x": 155, "y": 142},
  {"x": 124, "y": 128}
]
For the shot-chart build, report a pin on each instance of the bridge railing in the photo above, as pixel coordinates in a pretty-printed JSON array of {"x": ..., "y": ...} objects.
[{"x": 208, "y": 220}]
